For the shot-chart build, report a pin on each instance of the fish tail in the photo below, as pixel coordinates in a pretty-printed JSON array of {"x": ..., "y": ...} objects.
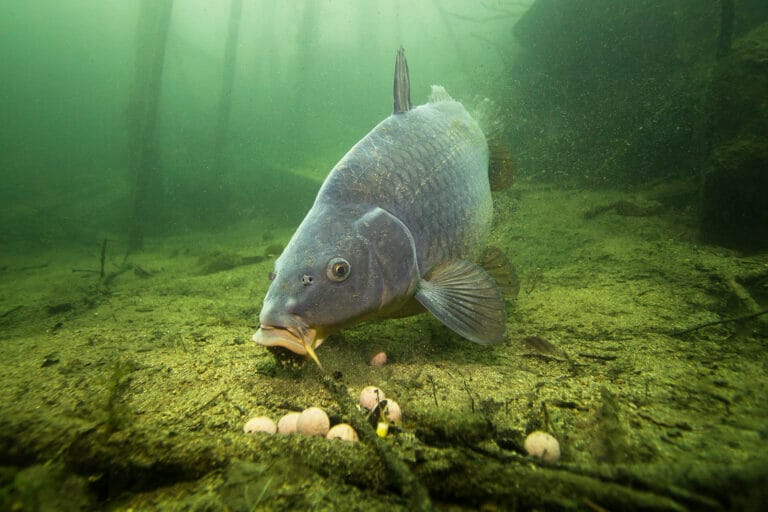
[
  {"x": 502, "y": 270},
  {"x": 438, "y": 94},
  {"x": 501, "y": 165}
]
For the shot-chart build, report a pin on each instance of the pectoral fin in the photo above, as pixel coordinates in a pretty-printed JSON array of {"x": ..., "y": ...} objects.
[{"x": 466, "y": 299}]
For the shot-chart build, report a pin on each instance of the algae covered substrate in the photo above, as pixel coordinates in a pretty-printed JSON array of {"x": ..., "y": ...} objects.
[{"x": 131, "y": 392}]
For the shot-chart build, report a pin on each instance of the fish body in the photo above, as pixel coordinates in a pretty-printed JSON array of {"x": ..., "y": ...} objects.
[{"x": 394, "y": 230}]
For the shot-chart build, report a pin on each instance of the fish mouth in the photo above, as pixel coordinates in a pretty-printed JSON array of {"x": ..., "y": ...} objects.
[{"x": 300, "y": 341}]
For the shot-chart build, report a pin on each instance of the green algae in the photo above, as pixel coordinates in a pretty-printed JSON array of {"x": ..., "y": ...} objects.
[{"x": 628, "y": 401}]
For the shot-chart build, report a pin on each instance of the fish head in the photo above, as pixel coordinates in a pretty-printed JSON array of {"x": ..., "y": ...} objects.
[{"x": 339, "y": 269}]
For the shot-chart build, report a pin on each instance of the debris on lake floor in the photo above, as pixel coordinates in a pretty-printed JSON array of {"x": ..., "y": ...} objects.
[
  {"x": 538, "y": 346},
  {"x": 623, "y": 208}
]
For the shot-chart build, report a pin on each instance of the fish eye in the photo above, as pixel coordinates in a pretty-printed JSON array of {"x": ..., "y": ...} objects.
[{"x": 338, "y": 269}]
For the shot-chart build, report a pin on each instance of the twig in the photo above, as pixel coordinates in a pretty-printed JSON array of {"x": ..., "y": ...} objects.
[
  {"x": 599, "y": 357},
  {"x": 208, "y": 403},
  {"x": 503, "y": 10},
  {"x": 469, "y": 392},
  {"x": 533, "y": 280},
  {"x": 12, "y": 310},
  {"x": 263, "y": 492},
  {"x": 112, "y": 275},
  {"x": 490, "y": 42},
  {"x": 484, "y": 19},
  {"x": 718, "y": 322},
  {"x": 410, "y": 486},
  {"x": 434, "y": 389},
  {"x": 32, "y": 267},
  {"x": 547, "y": 420},
  {"x": 103, "y": 256}
]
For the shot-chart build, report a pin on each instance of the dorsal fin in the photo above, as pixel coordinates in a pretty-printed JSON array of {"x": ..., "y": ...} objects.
[
  {"x": 439, "y": 94},
  {"x": 402, "y": 84}
]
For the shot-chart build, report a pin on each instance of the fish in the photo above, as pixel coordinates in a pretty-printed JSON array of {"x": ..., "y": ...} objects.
[{"x": 394, "y": 231}]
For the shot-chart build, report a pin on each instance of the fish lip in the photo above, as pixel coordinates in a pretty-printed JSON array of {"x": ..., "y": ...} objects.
[
  {"x": 302, "y": 341},
  {"x": 277, "y": 336}
]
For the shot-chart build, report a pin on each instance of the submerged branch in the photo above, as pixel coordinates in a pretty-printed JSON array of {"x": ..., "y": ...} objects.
[
  {"x": 410, "y": 486},
  {"x": 719, "y": 322}
]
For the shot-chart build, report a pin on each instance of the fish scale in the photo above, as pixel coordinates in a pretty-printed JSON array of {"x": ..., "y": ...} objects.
[
  {"x": 393, "y": 232},
  {"x": 438, "y": 165}
]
